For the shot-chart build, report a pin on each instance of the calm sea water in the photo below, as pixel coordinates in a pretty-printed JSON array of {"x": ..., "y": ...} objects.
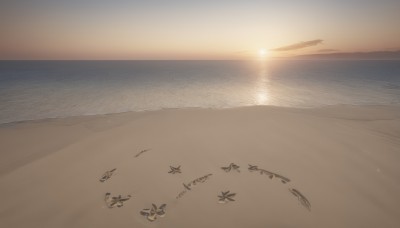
[{"x": 44, "y": 89}]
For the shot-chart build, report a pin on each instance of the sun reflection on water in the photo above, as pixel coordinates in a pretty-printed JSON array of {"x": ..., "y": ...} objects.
[
  {"x": 262, "y": 94},
  {"x": 262, "y": 98}
]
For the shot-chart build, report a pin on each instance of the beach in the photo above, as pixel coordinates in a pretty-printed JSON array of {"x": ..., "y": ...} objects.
[{"x": 335, "y": 166}]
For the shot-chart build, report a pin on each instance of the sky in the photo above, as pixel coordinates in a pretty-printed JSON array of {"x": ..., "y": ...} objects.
[{"x": 185, "y": 29}]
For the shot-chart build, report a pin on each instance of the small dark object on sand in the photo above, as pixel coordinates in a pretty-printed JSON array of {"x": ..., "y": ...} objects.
[
  {"x": 303, "y": 200},
  {"x": 152, "y": 213},
  {"x": 175, "y": 170},
  {"x": 115, "y": 200},
  {"x": 226, "y": 197},
  {"x": 231, "y": 166},
  {"x": 141, "y": 152},
  {"x": 107, "y": 175}
]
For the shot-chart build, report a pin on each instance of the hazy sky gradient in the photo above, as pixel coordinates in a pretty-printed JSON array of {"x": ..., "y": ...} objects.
[{"x": 184, "y": 29}]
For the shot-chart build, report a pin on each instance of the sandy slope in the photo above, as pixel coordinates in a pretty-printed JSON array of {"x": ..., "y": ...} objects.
[{"x": 343, "y": 159}]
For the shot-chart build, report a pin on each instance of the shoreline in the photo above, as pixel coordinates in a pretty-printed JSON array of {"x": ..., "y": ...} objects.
[
  {"x": 394, "y": 106},
  {"x": 334, "y": 166}
]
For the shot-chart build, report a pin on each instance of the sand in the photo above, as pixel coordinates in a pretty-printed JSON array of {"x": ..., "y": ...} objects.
[{"x": 328, "y": 167}]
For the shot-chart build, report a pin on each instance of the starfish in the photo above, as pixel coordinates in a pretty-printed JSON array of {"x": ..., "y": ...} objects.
[
  {"x": 152, "y": 213},
  {"x": 231, "y": 166},
  {"x": 226, "y": 197},
  {"x": 175, "y": 170},
  {"x": 115, "y": 200},
  {"x": 107, "y": 175},
  {"x": 303, "y": 200}
]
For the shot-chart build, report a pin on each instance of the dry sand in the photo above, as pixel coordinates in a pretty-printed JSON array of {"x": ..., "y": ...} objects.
[{"x": 344, "y": 160}]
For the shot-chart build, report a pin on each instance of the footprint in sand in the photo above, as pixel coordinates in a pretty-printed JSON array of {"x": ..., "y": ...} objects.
[
  {"x": 115, "y": 201},
  {"x": 155, "y": 211},
  {"x": 226, "y": 197},
  {"x": 107, "y": 175},
  {"x": 231, "y": 166}
]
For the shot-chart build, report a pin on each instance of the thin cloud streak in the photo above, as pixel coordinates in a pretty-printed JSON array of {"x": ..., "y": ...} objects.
[
  {"x": 327, "y": 50},
  {"x": 300, "y": 45}
]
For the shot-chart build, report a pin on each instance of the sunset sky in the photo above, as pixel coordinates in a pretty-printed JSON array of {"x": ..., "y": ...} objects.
[{"x": 184, "y": 29}]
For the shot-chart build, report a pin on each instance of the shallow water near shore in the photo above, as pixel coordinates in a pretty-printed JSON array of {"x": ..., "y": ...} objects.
[{"x": 46, "y": 89}]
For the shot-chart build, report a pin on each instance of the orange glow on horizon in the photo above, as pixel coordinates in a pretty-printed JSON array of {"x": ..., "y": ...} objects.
[{"x": 145, "y": 30}]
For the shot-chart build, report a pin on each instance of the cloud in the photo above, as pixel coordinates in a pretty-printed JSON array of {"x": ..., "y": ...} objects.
[
  {"x": 328, "y": 50},
  {"x": 298, "y": 45},
  {"x": 354, "y": 55}
]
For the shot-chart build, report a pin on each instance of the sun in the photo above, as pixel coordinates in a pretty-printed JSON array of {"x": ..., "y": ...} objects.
[{"x": 262, "y": 52}]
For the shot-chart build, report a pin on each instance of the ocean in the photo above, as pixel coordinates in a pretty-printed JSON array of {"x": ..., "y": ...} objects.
[{"x": 31, "y": 90}]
